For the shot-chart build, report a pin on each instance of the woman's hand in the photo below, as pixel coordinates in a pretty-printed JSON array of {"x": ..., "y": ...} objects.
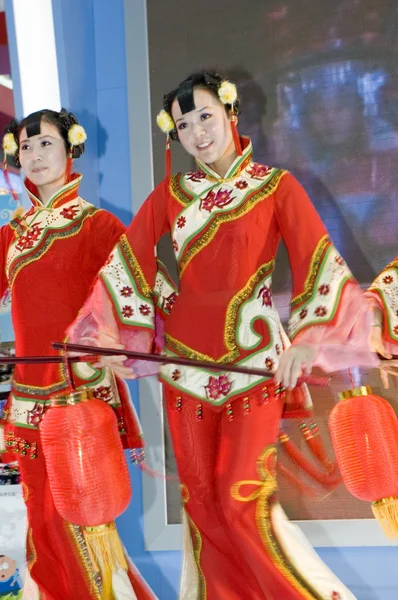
[
  {"x": 295, "y": 361},
  {"x": 111, "y": 362}
]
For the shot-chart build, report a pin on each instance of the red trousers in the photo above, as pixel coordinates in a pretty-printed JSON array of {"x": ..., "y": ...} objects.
[
  {"x": 226, "y": 462},
  {"x": 56, "y": 554}
]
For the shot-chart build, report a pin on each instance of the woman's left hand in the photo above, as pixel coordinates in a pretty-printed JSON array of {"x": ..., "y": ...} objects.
[{"x": 295, "y": 361}]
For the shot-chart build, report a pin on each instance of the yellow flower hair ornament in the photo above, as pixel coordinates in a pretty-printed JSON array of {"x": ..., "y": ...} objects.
[
  {"x": 228, "y": 93},
  {"x": 10, "y": 146},
  {"x": 165, "y": 122},
  {"x": 77, "y": 135}
]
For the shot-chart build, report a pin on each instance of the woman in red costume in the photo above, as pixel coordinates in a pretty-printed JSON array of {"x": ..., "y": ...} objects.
[
  {"x": 50, "y": 255},
  {"x": 226, "y": 219}
]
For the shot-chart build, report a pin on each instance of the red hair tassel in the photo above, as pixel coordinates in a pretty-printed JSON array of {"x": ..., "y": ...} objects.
[{"x": 235, "y": 133}]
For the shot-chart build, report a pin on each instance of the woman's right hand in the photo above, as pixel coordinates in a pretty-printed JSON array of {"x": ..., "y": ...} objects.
[{"x": 111, "y": 362}]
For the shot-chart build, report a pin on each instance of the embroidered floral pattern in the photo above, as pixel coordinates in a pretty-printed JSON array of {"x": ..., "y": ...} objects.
[
  {"x": 303, "y": 313},
  {"x": 218, "y": 387},
  {"x": 168, "y": 301},
  {"x": 336, "y": 596},
  {"x": 396, "y": 329},
  {"x": 196, "y": 176},
  {"x": 35, "y": 416},
  {"x": 181, "y": 222},
  {"x": 70, "y": 212},
  {"x": 339, "y": 260},
  {"x": 387, "y": 279},
  {"x": 265, "y": 294},
  {"x": 175, "y": 245},
  {"x": 324, "y": 290},
  {"x": 219, "y": 200},
  {"x": 269, "y": 364},
  {"x": 127, "y": 311},
  {"x": 241, "y": 185},
  {"x": 29, "y": 238},
  {"x": 126, "y": 291},
  {"x": 320, "y": 311},
  {"x": 145, "y": 309},
  {"x": 258, "y": 171},
  {"x": 176, "y": 375},
  {"x": 104, "y": 392}
]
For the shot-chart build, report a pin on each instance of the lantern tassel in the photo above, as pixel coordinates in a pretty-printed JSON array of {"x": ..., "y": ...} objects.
[
  {"x": 385, "y": 512},
  {"x": 106, "y": 553}
]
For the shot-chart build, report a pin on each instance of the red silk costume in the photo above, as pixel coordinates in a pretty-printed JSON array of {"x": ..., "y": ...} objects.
[
  {"x": 225, "y": 233},
  {"x": 50, "y": 256}
]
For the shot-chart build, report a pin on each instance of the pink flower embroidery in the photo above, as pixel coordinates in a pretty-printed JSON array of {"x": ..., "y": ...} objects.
[
  {"x": 145, "y": 309},
  {"x": 36, "y": 415},
  {"x": 70, "y": 212},
  {"x": 241, "y": 185},
  {"x": 104, "y": 392},
  {"x": 218, "y": 387},
  {"x": 181, "y": 221},
  {"x": 266, "y": 296},
  {"x": 336, "y": 596},
  {"x": 168, "y": 302},
  {"x": 303, "y": 313},
  {"x": 324, "y": 290},
  {"x": 387, "y": 279},
  {"x": 176, "y": 374},
  {"x": 269, "y": 364},
  {"x": 127, "y": 311},
  {"x": 27, "y": 241},
  {"x": 258, "y": 171},
  {"x": 126, "y": 291},
  {"x": 196, "y": 176},
  {"x": 320, "y": 311},
  {"x": 223, "y": 198},
  {"x": 207, "y": 203}
]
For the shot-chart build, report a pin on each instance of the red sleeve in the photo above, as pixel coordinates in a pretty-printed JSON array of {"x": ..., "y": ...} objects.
[
  {"x": 327, "y": 307},
  {"x": 123, "y": 301}
]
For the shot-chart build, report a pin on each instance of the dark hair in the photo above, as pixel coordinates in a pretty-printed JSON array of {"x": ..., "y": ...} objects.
[
  {"x": 210, "y": 80},
  {"x": 62, "y": 120}
]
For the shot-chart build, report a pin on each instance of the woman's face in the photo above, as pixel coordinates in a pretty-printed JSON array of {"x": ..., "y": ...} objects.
[
  {"x": 204, "y": 132},
  {"x": 43, "y": 156}
]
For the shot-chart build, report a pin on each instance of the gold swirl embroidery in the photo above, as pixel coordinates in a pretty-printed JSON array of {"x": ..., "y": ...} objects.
[
  {"x": 30, "y": 550},
  {"x": 92, "y": 578},
  {"x": 197, "y": 544},
  {"x": 53, "y": 236},
  {"x": 178, "y": 192},
  {"x": 133, "y": 263},
  {"x": 234, "y": 305},
  {"x": 25, "y": 492},
  {"x": 313, "y": 270},
  {"x": 264, "y": 488},
  {"x": 250, "y": 202},
  {"x": 36, "y": 390}
]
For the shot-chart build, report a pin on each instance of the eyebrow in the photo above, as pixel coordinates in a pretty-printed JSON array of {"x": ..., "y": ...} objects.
[
  {"x": 197, "y": 110},
  {"x": 40, "y": 138}
]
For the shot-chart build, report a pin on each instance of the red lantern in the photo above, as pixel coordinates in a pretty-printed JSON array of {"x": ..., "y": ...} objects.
[
  {"x": 88, "y": 475},
  {"x": 364, "y": 431}
]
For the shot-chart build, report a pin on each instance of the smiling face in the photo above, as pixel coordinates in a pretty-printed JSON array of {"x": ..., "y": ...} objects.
[
  {"x": 43, "y": 157},
  {"x": 204, "y": 132}
]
